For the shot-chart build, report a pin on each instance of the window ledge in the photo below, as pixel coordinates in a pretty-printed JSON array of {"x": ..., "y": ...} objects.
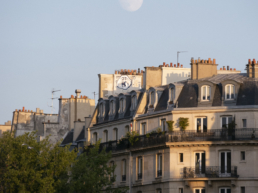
[
  {"x": 181, "y": 163},
  {"x": 157, "y": 180},
  {"x": 242, "y": 161}
]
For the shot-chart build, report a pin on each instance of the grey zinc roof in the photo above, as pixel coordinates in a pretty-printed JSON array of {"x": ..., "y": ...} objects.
[
  {"x": 81, "y": 135},
  {"x": 68, "y": 138}
]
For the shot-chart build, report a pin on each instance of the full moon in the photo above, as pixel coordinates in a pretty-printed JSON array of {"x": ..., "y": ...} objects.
[{"x": 131, "y": 5}]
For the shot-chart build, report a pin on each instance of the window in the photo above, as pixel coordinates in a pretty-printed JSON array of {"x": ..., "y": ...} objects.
[
  {"x": 225, "y": 121},
  {"x": 224, "y": 190},
  {"x": 111, "y": 107},
  {"x": 225, "y": 163},
  {"x": 242, "y": 189},
  {"x": 123, "y": 170},
  {"x": 229, "y": 92},
  {"x": 105, "y": 137},
  {"x": 143, "y": 128},
  {"x": 115, "y": 134},
  {"x": 159, "y": 165},
  {"x": 121, "y": 105},
  {"x": 152, "y": 99},
  {"x": 101, "y": 109},
  {"x": 134, "y": 102},
  {"x": 126, "y": 129},
  {"x": 244, "y": 123},
  {"x": 181, "y": 157},
  {"x": 139, "y": 168},
  {"x": 206, "y": 93},
  {"x": 159, "y": 191},
  {"x": 200, "y": 163},
  {"x": 163, "y": 124},
  {"x": 201, "y": 125},
  {"x": 171, "y": 94},
  {"x": 95, "y": 137},
  {"x": 199, "y": 190},
  {"x": 242, "y": 155},
  {"x": 181, "y": 190}
]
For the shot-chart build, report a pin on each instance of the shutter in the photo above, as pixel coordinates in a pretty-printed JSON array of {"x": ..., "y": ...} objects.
[
  {"x": 229, "y": 162},
  {"x": 203, "y": 163},
  {"x": 222, "y": 163}
]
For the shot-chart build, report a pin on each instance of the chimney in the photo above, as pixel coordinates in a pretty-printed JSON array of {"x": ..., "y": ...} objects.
[
  {"x": 164, "y": 64},
  {"x": 23, "y": 109},
  {"x": 227, "y": 67},
  {"x": 78, "y": 92},
  {"x": 252, "y": 68},
  {"x": 171, "y": 64},
  {"x": 203, "y": 68},
  {"x": 138, "y": 70}
]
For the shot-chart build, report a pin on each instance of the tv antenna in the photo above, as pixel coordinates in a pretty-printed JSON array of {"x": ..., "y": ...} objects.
[
  {"x": 52, "y": 100},
  {"x": 178, "y": 52},
  {"x": 95, "y": 94}
]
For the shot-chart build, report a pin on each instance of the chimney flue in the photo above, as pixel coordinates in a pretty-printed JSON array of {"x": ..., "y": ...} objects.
[{"x": 227, "y": 67}]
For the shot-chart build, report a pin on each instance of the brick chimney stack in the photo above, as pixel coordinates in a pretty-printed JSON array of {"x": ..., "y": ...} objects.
[{"x": 252, "y": 68}]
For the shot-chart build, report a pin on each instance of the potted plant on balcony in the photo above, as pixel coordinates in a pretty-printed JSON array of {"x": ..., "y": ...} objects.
[
  {"x": 183, "y": 123},
  {"x": 170, "y": 125},
  {"x": 132, "y": 137}
]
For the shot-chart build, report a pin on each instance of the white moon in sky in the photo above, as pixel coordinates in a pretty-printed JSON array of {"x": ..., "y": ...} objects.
[{"x": 131, "y": 5}]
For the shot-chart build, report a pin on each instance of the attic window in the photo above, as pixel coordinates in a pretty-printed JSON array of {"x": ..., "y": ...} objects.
[
  {"x": 112, "y": 107},
  {"x": 171, "y": 94},
  {"x": 134, "y": 101},
  {"x": 101, "y": 109},
  {"x": 152, "y": 99},
  {"x": 122, "y": 105},
  {"x": 230, "y": 92},
  {"x": 206, "y": 93}
]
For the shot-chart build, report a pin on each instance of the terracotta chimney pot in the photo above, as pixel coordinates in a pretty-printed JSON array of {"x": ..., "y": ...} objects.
[
  {"x": 16, "y": 110},
  {"x": 23, "y": 109},
  {"x": 19, "y": 110},
  {"x": 230, "y": 69},
  {"x": 195, "y": 61},
  {"x": 209, "y": 60},
  {"x": 61, "y": 96},
  {"x": 171, "y": 64},
  {"x": 249, "y": 61},
  {"x": 234, "y": 69},
  {"x": 214, "y": 61},
  {"x": 181, "y": 65},
  {"x": 178, "y": 64},
  {"x": 220, "y": 68},
  {"x": 174, "y": 65},
  {"x": 116, "y": 72},
  {"x": 72, "y": 96},
  {"x": 254, "y": 61}
]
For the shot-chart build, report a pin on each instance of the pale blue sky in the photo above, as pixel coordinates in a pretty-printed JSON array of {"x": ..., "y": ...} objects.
[{"x": 64, "y": 44}]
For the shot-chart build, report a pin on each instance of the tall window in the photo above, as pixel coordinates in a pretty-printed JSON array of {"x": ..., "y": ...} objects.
[
  {"x": 224, "y": 190},
  {"x": 152, "y": 99},
  {"x": 206, "y": 93},
  {"x": 111, "y": 107},
  {"x": 200, "y": 163},
  {"x": 242, "y": 190},
  {"x": 143, "y": 128},
  {"x": 225, "y": 163},
  {"x": 181, "y": 190},
  {"x": 244, "y": 123},
  {"x": 105, "y": 137},
  {"x": 159, "y": 165},
  {"x": 171, "y": 94},
  {"x": 115, "y": 134},
  {"x": 134, "y": 102},
  {"x": 101, "y": 109},
  {"x": 158, "y": 190},
  {"x": 139, "y": 168},
  {"x": 121, "y": 104},
  {"x": 95, "y": 137},
  {"x": 123, "y": 170},
  {"x": 127, "y": 129},
  {"x": 163, "y": 124},
  {"x": 229, "y": 92},
  {"x": 225, "y": 121},
  {"x": 199, "y": 190},
  {"x": 201, "y": 124}
]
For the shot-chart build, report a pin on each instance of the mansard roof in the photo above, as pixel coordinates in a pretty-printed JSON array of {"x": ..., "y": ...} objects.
[{"x": 68, "y": 138}]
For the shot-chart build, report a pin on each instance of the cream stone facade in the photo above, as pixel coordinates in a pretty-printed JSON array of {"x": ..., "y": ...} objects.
[
  {"x": 215, "y": 153},
  {"x": 6, "y": 127}
]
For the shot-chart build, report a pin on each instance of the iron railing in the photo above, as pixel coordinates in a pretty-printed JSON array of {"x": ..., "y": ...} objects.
[
  {"x": 123, "y": 178},
  {"x": 151, "y": 140},
  {"x": 159, "y": 173},
  {"x": 210, "y": 172},
  {"x": 139, "y": 176}
]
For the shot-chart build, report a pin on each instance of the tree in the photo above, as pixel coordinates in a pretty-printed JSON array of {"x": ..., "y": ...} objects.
[
  {"x": 29, "y": 166},
  {"x": 183, "y": 123},
  {"x": 93, "y": 173}
]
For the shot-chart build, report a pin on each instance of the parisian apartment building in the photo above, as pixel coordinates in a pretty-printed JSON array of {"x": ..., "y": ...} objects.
[{"x": 197, "y": 127}]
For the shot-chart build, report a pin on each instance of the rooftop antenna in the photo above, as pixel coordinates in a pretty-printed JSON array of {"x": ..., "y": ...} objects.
[
  {"x": 95, "y": 95},
  {"x": 178, "y": 52},
  {"x": 52, "y": 98}
]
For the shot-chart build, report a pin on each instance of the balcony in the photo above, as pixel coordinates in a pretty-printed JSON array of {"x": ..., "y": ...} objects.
[
  {"x": 210, "y": 172},
  {"x": 182, "y": 136}
]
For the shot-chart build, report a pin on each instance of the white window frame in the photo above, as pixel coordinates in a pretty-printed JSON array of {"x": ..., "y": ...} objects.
[
  {"x": 227, "y": 118},
  {"x": 232, "y": 90},
  {"x": 226, "y": 166},
  {"x": 152, "y": 98},
  {"x": 225, "y": 188},
  {"x": 159, "y": 164},
  {"x": 143, "y": 129},
  {"x": 200, "y": 190},
  {"x": 122, "y": 105},
  {"x": 163, "y": 124},
  {"x": 207, "y": 91},
  {"x": 115, "y": 134},
  {"x": 105, "y": 137},
  {"x": 139, "y": 166}
]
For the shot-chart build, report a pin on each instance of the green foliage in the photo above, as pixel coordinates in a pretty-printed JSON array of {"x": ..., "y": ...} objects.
[
  {"x": 29, "y": 166},
  {"x": 232, "y": 125},
  {"x": 159, "y": 130},
  {"x": 153, "y": 132},
  {"x": 93, "y": 173},
  {"x": 170, "y": 125},
  {"x": 147, "y": 135},
  {"x": 183, "y": 123},
  {"x": 132, "y": 137}
]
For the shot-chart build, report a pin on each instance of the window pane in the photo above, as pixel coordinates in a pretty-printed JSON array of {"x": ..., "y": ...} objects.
[
  {"x": 232, "y": 91},
  {"x": 204, "y": 124},
  {"x": 208, "y": 92},
  {"x": 204, "y": 92},
  {"x": 224, "y": 121},
  {"x": 228, "y": 190},
  {"x": 199, "y": 124},
  {"x": 228, "y": 162},
  {"x": 203, "y": 163},
  {"x": 244, "y": 122},
  {"x": 227, "y": 92},
  {"x": 229, "y": 120},
  {"x": 222, "y": 162},
  {"x": 242, "y": 189},
  {"x": 222, "y": 190},
  {"x": 197, "y": 191},
  {"x": 242, "y": 155},
  {"x": 203, "y": 190}
]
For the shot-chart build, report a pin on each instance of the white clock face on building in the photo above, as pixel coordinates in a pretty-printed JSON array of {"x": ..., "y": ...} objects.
[{"x": 124, "y": 82}]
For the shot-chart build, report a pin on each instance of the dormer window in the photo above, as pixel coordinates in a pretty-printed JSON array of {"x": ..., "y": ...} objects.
[
  {"x": 152, "y": 98},
  {"x": 229, "y": 92},
  {"x": 112, "y": 107},
  {"x": 206, "y": 93},
  {"x": 134, "y": 102},
  {"x": 121, "y": 105},
  {"x": 101, "y": 109},
  {"x": 171, "y": 94}
]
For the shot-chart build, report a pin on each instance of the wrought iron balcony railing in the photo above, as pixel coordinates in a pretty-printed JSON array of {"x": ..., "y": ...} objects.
[
  {"x": 123, "y": 177},
  {"x": 151, "y": 140},
  {"x": 139, "y": 176},
  {"x": 210, "y": 172}
]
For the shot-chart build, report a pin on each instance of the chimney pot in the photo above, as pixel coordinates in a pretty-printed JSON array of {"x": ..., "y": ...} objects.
[
  {"x": 227, "y": 67},
  {"x": 178, "y": 64},
  {"x": 220, "y": 68},
  {"x": 174, "y": 65},
  {"x": 78, "y": 92},
  {"x": 122, "y": 70},
  {"x": 19, "y": 110},
  {"x": 16, "y": 110},
  {"x": 164, "y": 63},
  {"x": 234, "y": 69},
  {"x": 138, "y": 70},
  {"x": 141, "y": 71},
  {"x": 23, "y": 109},
  {"x": 254, "y": 61},
  {"x": 230, "y": 69},
  {"x": 205, "y": 61},
  {"x": 181, "y": 65},
  {"x": 209, "y": 60},
  {"x": 116, "y": 72},
  {"x": 61, "y": 96},
  {"x": 224, "y": 68},
  {"x": 214, "y": 61},
  {"x": 171, "y": 64},
  {"x": 195, "y": 61},
  {"x": 249, "y": 61},
  {"x": 72, "y": 96}
]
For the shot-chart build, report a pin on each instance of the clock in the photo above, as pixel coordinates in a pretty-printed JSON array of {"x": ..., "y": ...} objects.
[{"x": 124, "y": 82}]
